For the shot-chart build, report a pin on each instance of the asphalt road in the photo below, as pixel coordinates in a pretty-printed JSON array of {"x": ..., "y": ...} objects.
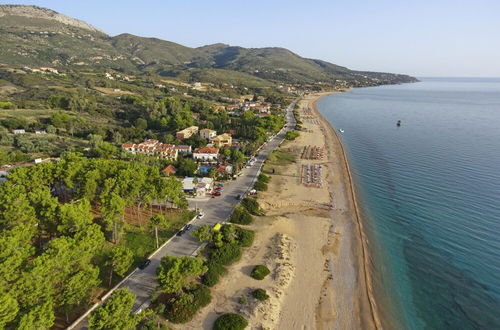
[{"x": 142, "y": 283}]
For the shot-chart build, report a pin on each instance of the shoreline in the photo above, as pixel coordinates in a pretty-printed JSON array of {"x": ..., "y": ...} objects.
[{"x": 363, "y": 263}]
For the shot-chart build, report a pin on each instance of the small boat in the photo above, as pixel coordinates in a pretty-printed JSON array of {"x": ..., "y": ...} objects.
[
  {"x": 341, "y": 130},
  {"x": 398, "y": 123}
]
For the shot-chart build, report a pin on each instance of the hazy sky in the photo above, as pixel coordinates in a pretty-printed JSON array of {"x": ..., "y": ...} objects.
[{"x": 417, "y": 37}]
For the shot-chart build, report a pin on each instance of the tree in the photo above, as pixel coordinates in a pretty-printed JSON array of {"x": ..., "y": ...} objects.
[
  {"x": 120, "y": 260},
  {"x": 174, "y": 273},
  {"x": 156, "y": 221},
  {"x": 39, "y": 317},
  {"x": 187, "y": 167},
  {"x": 141, "y": 124},
  {"x": 116, "y": 313},
  {"x": 112, "y": 211},
  {"x": 74, "y": 216},
  {"x": 78, "y": 287},
  {"x": 8, "y": 309}
]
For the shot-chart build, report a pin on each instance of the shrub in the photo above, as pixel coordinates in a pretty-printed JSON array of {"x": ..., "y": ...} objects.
[
  {"x": 245, "y": 236},
  {"x": 260, "y": 272},
  {"x": 291, "y": 135},
  {"x": 230, "y": 322},
  {"x": 264, "y": 178},
  {"x": 215, "y": 271},
  {"x": 241, "y": 216},
  {"x": 260, "y": 294},
  {"x": 260, "y": 186},
  {"x": 202, "y": 295},
  {"x": 251, "y": 205},
  {"x": 181, "y": 309},
  {"x": 226, "y": 254},
  {"x": 242, "y": 300}
]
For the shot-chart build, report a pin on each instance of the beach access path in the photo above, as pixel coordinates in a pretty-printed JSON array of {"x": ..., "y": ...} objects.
[{"x": 142, "y": 283}]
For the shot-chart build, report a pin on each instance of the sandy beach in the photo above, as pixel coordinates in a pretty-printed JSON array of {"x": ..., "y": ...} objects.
[{"x": 311, "y": 239}]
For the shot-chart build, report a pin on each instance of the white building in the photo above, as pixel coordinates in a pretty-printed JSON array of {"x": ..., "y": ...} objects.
[
  {"x": 207, "y": 133},
  {"x": 206, "y": 154},
  {"x": 200, "y": 188},
  {"x": 19, "y": 131}
]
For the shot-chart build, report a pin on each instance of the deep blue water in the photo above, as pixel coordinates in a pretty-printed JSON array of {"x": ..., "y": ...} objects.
[{"x": 429, "y": 193}]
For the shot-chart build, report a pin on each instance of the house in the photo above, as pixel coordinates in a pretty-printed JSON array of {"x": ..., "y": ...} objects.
[
  {"x": 184, "y": 149},
  {"x": 186, "y": 133},
  {"x": 41, "y": 132},
  {"x": 200, "y": 187},
  {"x": 19, "y": 131},
  {"x": 207, "y": 133},
  {"x": 223, "y": 140},
  {"x": 153, "y": 148},
  {"x": 169, "y": 170},
  {"x": 206, "y": 154}
]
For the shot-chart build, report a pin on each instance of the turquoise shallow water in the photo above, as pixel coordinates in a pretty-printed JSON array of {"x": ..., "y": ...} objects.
[{"x": 429, "y": 193}]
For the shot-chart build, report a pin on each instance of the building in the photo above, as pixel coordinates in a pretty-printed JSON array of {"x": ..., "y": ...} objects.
[
  {"x": 207, "y": 133},
  {"x": 201, "y": 187},
  {"x": 19, "y": 131},
  {"x": 169, "y": 170},
  {"x": 184, "y": 149},
  {"x": 41, "y": 132},
  {"x": 206, "y": 154},
  {"x": 152, "y": 148},
  {"x": 186, "y": 133},
  {"x": 223, "y": 140}
]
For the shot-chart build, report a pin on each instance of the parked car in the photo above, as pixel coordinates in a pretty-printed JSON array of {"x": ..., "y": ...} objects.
[
  {"x": 216, "y": 193},
  {"x": 200, "y": 215},
  {"x": 187, "y": 227},
  {"x": 144, "y": 264},
  {"x": 239, "y": 197}
]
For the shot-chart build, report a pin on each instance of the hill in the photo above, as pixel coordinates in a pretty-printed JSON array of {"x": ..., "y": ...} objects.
[{"x": 36, "y": 36}]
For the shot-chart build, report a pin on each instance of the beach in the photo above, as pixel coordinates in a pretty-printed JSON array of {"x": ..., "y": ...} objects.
[{"x": 310, "y": 238}]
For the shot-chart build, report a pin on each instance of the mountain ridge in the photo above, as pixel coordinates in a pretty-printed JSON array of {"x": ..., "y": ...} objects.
[{"x": 38, "y": 36}]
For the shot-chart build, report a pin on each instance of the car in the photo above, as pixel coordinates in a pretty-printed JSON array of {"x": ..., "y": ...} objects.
[
  {"x": 239, "y": 197},
  {"x": 216, "y": 193},
  {"x": 218, "y": 189},
  {"x": 220, "y": 185},
  {"x": 180, "y": 232},
  {"x": 144, "y": 264},
  {"x": 187, "y": 227},
  {"x": 200, "y": 215}
]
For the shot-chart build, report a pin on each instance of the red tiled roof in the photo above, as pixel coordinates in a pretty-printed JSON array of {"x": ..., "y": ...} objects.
[
  {"x": 207, "y": 150},
  {"x": 169, "y": 169}
]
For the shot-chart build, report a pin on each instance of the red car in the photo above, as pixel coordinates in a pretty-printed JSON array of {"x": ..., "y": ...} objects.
[{"x": 216, "y": 193}]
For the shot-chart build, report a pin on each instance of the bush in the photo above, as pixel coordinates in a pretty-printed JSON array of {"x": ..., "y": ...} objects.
[
  {"x": 260, "y": 186},
  {"x": 260, "y": 294},
  {"x": 242, "y": 300},
  {"x": 226, "y": 254},
  {"x": 241, "y": 216},
  {"x": 291, "y": 135},
  {"x": 245, "y": 237},
  {"x": 264, "y": 178},
  {"x": 212, "y": 276},
  {"x": 181, "y": 309},
  {"x": 260, "y": 272},
  {"x": 251, "y": 205},
  {"x": 202, "y": 295},
  {"x": 230, "y": 322}
]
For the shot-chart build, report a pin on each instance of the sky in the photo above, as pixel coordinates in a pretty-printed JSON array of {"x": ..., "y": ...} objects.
[{"x": 424, "y": 38}]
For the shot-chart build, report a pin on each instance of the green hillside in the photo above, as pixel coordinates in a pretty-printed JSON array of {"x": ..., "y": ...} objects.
[{"x": 33, "y": 36}]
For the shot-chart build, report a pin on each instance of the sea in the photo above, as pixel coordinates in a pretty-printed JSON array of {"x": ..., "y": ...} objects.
[{"x": 429, "y": 193}]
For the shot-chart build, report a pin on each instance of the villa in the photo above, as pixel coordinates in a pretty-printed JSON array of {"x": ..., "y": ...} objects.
[
  {"x": 206, "y": 154},
  {"x": 186, "y": 133},
  {"x": 223, "y": 140}
]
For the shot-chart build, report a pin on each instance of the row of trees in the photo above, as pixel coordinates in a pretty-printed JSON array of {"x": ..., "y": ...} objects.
[{"x": 56, "y": 221}]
